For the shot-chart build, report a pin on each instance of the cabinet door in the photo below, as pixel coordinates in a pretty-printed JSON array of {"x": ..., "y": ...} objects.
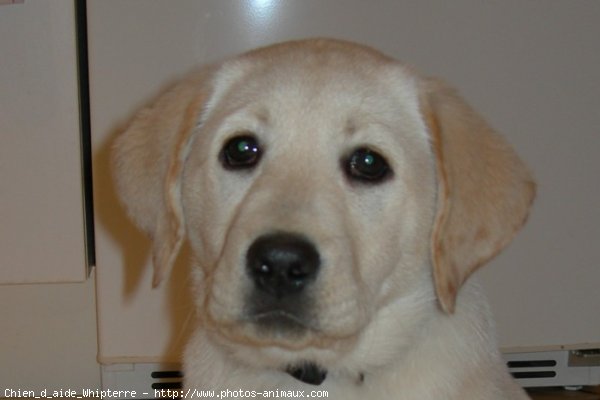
[{"x": 41, "y": 213}]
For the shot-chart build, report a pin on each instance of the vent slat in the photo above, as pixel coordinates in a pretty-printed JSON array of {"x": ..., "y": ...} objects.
[
  {"x": 532, "y": 364},
  {"x": 167, "y": 385},
  {"x": 166, "y": 374},
  {"x": 534, "y": 374}
]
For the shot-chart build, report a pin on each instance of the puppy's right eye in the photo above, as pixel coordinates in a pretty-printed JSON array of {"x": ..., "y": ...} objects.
[{"x": 241, "y": 152}]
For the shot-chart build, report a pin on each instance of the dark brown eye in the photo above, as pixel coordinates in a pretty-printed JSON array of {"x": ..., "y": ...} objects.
[
  {"x": 367, "y": 166},
  {"x": 241, "y": 152}
]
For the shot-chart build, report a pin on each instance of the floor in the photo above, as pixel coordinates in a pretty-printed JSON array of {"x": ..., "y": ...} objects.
[{"x": 588, "y": 393}]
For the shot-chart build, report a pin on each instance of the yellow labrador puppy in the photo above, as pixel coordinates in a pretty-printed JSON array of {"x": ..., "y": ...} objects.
[{"x": 336, "y": 203}]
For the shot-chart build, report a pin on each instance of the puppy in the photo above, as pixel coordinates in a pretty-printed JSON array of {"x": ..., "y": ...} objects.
[{"x": 336, "y": 202}]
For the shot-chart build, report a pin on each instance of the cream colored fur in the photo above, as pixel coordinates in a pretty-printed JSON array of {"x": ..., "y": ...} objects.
[{"x": 394, "y": 316}]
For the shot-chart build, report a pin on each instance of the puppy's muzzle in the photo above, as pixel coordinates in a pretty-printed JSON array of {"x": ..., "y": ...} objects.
[{"x": 282, "y": 265}]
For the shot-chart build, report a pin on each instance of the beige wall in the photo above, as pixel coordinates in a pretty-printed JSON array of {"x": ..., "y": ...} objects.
[{"x": 531, "y": 68}]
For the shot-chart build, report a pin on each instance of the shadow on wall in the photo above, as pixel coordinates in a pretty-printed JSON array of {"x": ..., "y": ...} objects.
[{"x": 135, "y": 248}]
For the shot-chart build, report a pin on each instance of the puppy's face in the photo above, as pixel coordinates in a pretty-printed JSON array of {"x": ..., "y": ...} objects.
[
  {"x": 323, "y": 187},
  {"x": 308, "y": 197}
]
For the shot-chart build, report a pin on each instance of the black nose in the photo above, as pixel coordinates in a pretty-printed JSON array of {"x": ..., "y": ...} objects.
[{"x": 281, "y": 264}]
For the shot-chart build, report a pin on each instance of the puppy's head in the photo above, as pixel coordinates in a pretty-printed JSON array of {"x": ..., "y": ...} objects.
[{"x": 318, "y": 182}]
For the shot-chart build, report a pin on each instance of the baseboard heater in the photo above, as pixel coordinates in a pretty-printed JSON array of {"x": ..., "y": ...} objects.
[{"x": 566, "y": 368}]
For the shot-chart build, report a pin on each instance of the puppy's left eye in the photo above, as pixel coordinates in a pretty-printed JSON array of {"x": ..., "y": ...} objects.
[
  {"x": 367, "y": 166},
  {"x": 241, "y": 152}
]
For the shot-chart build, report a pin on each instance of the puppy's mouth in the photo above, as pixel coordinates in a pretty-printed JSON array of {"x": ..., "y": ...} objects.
[
  {"x": 291, "y": 317},
  {"x": 281, "y": 321}
]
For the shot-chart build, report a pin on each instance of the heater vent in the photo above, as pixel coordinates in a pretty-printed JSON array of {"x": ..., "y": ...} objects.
[
  {"x": 534, "y": 368},
  {"x": 147, "y": 380},
  {"x": 164, "y": 382}
]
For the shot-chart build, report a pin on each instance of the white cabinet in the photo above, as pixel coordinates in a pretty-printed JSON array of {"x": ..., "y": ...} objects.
[
  {"x": 41, "y": 206},
  {"x": 48, "y": 338}
]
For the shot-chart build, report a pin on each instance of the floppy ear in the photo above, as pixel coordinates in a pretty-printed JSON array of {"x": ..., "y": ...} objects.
[
  {"x": 148, "y": 160},
  {"x": 484, "y": 190}
]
